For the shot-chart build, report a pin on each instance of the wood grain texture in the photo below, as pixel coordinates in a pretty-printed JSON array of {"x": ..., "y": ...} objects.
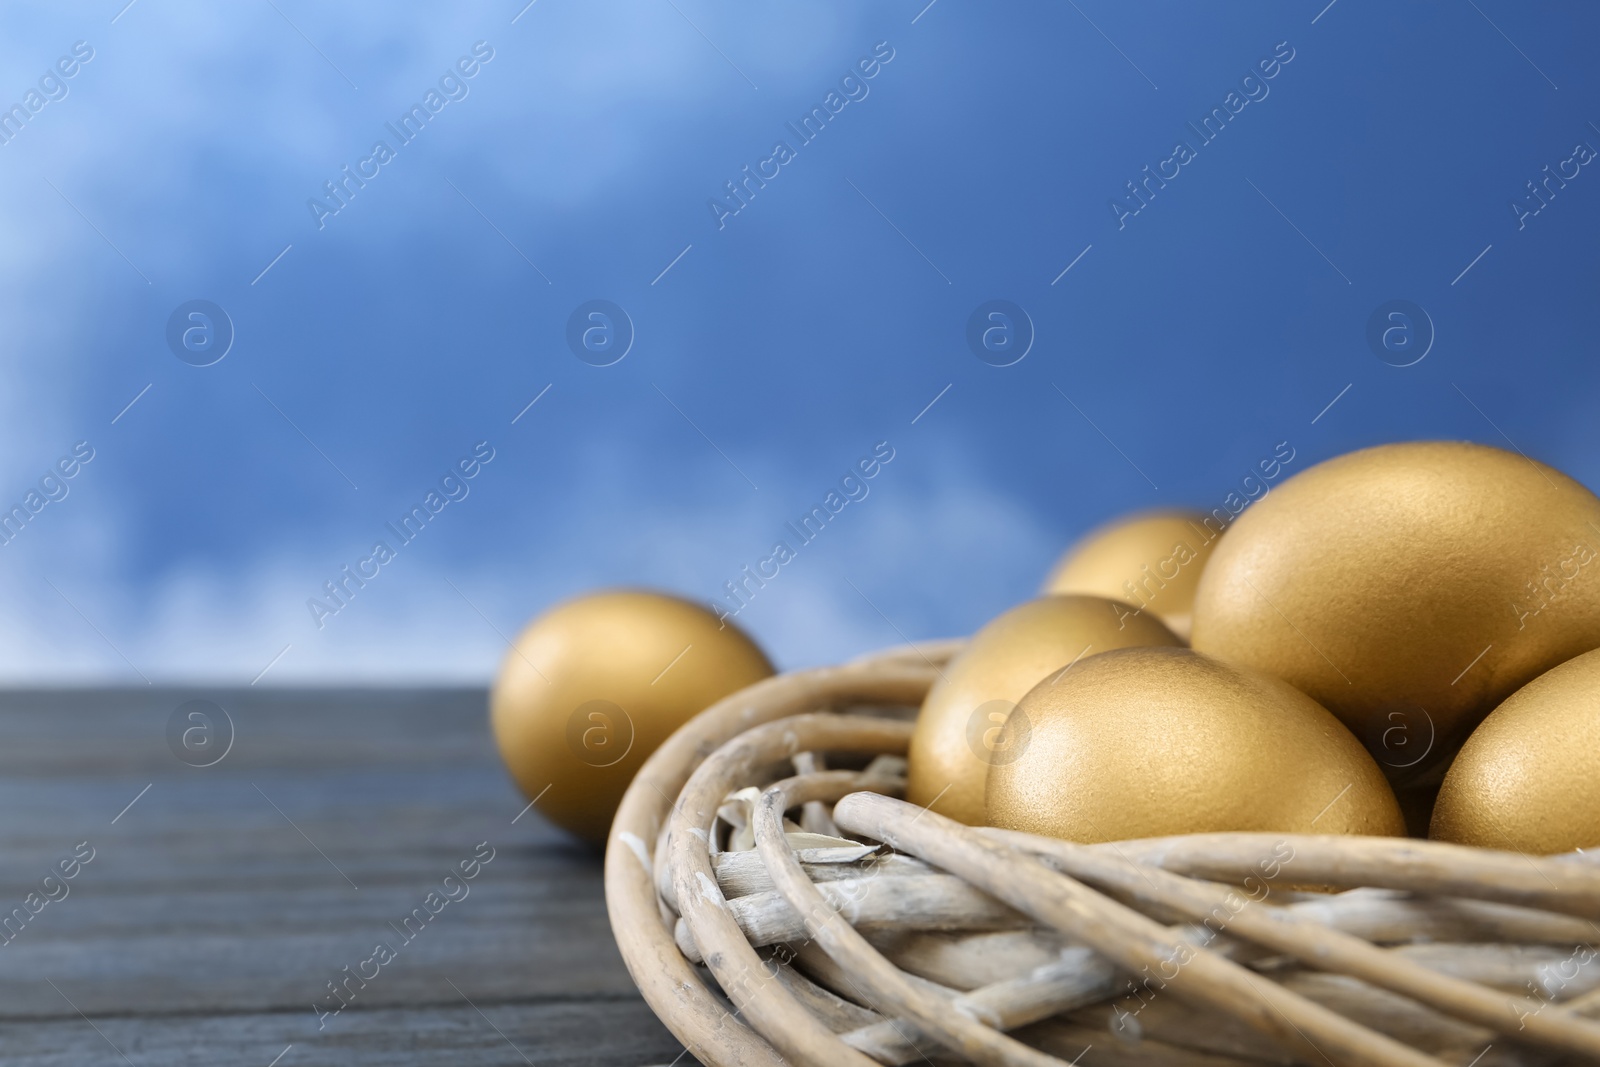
[{"x": 219, "y": 906}]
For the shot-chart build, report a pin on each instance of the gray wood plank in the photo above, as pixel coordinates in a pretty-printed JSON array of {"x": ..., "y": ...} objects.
[
  {"x": 227, "y": 898},
  {"x": 586, "y": 1034}
]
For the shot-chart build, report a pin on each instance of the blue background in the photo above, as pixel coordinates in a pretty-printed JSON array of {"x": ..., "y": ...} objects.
[{"x": 770, "y": 353}]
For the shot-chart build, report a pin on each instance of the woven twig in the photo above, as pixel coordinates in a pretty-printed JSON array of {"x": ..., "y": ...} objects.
[
  {"x": 1135, "y": 943},
  {"x": 1316, "y": 945},
  {"x": 668, "y": 981},
  {"x": 874, "y": 957},
  {"x": 937, "y": 901}
]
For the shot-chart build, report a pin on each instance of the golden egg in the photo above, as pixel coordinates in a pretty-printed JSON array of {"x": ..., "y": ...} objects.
[
  {"x": 1528, "y": 778},
  {"x": 1150, "y": 561},
  {"x": 959, "y": 731},
  {"x": 1409, "y": 589},
  {"x": 593, "y": 686},
  {"x": 1146, "y": 742}
]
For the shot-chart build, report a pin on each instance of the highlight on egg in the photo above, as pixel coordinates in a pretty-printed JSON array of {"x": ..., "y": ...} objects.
[
  {"x": 960, "y": 732},
  {"x": 596, "y": 684},
  {"x": 1528, "y": 779},
  {"x": 1149, "y": 742},
  {"x": 1417, "y": 584}
]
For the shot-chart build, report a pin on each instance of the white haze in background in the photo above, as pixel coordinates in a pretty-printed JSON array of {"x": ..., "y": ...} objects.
[
  {"x": 940, "y": 552},
  {"x": 78, "y": 610}
]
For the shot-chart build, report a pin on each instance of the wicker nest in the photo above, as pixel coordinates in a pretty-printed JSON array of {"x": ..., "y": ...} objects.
[{"x": 773, "y": 910}]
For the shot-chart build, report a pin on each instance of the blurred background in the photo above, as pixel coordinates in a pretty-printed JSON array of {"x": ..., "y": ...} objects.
[{"x": 272, "y": 271}]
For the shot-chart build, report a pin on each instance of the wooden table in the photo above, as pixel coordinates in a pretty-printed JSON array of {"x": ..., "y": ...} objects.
[{"x": 221, "y": 901}]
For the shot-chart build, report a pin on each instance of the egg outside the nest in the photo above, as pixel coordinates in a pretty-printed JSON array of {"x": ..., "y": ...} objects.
[{"x": 592, "y": 687}]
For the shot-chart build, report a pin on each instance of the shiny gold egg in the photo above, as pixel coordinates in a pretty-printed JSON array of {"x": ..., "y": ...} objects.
[
  {"x": 1151, "y": 561},
  {"x": 593, "y": 686},
  {"x": 1528, "y": 779},
  {"x": 1146, "y": 742},
  {"x": 1408, "y": 588},
  {"x": 960, "y": 730}
]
